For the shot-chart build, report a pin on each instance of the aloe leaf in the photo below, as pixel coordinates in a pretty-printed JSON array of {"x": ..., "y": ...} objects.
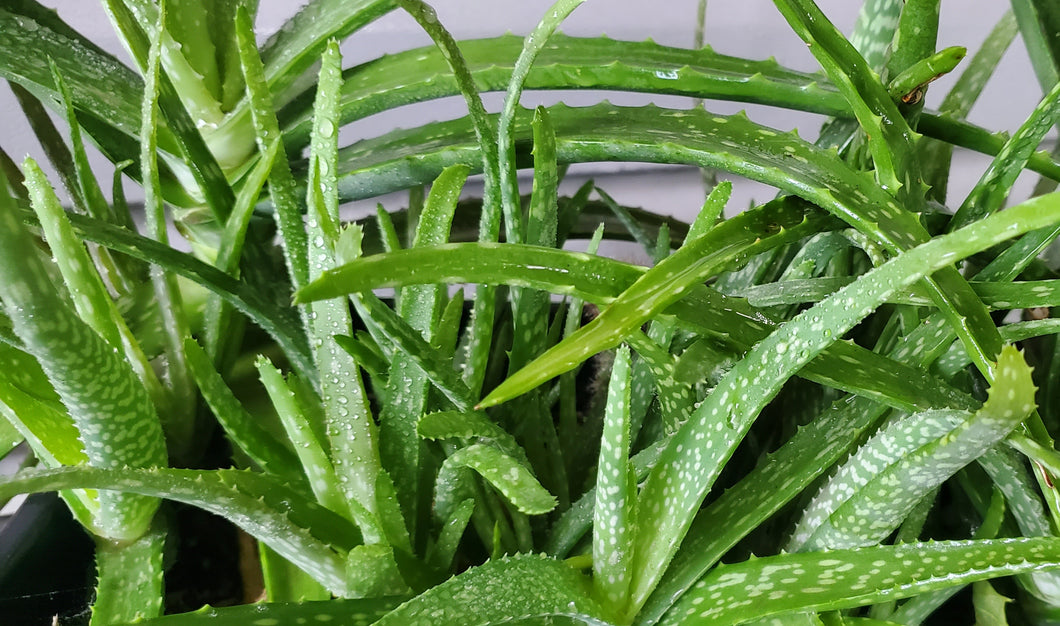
[
  {"x": 297, "y": 528},
  {"x": 218, "y": 314},
  {"x": 396, "y": 331},
  {"x": 874, "y": 30},
  {"x": 600, "y": 280},
  {"x": 913, "y": 50},
  {"x": 629, "y": 222},
  {"x": 288, "y": 214},
  {"x": 995, "y": 184},
  {"x": 351, "y": 434},
  {"x": 936, "y": 156},
  {"x": 113, "y": 412},
  {"x": 242, "y": 428},
  {"x": 482, "y": 318},
  {"x": 955, "y": 359},
  {"x": 421, "y": 74},
  {"x": 840, "y": 579},
  {"x": 532, "y": 46},
  {"x": 908, "y": 86},
  {"x": 404, "y": 158},
  {"x": 408, "y": 383},
  {"x": 180, "y": 422},
  {"x": 284, "y": 582},
  {"x": 279, "y": 323},
  {"x": 296, "y": 45},
  {"x": 307, "y": 445},
  {"x": 530, "y": 309},
  {"x": 186, "y": 112},
  {"x": 523, "y": 588},
  {"x": 1037, "y": 23},
  {"x": 739, "y": 396},
  {"x": 530, "y": 315},
  {"x": 103, "y": 88},
  {"x": 598, "y": 63},
  {"x": 426, "y": 17},
  {"x": 893, "y": 151},
  {"x": 357, "y": 612},
  {"x": 918, "y": 608},
  {"x": 863, "y": 505},
  {"x": 33, "y": 412},
  {"x": 444, "y": 549},
  {"x": 1009, "y": 473},
  {"x": 890, "y": 143},
  {"x": 995, "y": 295},
  {"x": 675, "y": 397},
  {"x": 654, "y": 291},
  {"x": 468, "y": 426},
  {"x": 507, "y": 474},
  {"x": 90, "y": 297},
  {"x": 52, "y": 142},
  {"x": 89, "y": 195},
  {"x": 129, "y": 579},
  {"x": 614, "y": 515},
  {"x": 718, "y": 526}
]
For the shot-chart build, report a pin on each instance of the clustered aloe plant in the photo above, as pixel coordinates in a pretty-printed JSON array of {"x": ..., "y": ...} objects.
[{"x": 814, "y": 412}]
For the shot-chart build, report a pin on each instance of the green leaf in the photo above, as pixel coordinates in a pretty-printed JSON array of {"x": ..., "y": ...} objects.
[
  {"x": 90, "y": 296},
  {"x": 840, "y": 579},
  {"x": 994, "y": 186},
  {"x": 358, "y": 612},
  {"x": 614, "y": 515},
  {"x": 505, "y": 473},
  {"x": 281, "y": 182},
  {"x": 296, "y": 45},
  {"x": 525, "y": 588},
  {"x": 279, "y": 323},
  {"x": 129, "y": 579},
  {"x": 729, "y": 410},
  {"x": 889, "y": 137},
  {"x": 242, "y": 428},
  {"x": 1037, "y": 23},
  {"x": 100, "y": 86},
  {"x": 908, "y": 87},
  {"x": 874, "y": 30},
  {"x": 287, "y": 521},
  {"x": 308, "y": 446},
  {"x": 936, "y": 156},
  {"x": 468, "y": 426},
  {"x": 989, "y": 605},
  {"x": 659, "y": 287},
  {"x": 444, "y": 549},
  {"x": 408, "y": 383},
  {"x": 112, "y": 410},
  {"x": 875, "y": 490},
  {"x": 180, "y": 422},
  {"x": 600, "y": 280},
  {"x": 509, "y": 184},
  {"x": 737, "y": 512},
  {"x": 349, "y": 426},
  {"x": 388, "y": 327}
]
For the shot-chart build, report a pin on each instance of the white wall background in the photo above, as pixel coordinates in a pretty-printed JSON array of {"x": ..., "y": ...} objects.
[{"x": 748, "y": 28}]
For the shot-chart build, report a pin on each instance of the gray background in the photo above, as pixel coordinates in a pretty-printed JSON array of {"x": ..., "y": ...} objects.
[{"x": 748, "y": 28}]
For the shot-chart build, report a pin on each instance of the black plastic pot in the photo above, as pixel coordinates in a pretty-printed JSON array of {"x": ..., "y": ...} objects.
[{"x": 46, "y": 565}]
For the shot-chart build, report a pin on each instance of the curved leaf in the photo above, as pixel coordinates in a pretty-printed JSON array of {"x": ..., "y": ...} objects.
[
  {"x": 521, "y": 588},
  {"x": 730, "y": 409},
  {"x": 297, "y": 528},
  {"x": 508, "y": 475},
  {"x": 840, "y": 579}
]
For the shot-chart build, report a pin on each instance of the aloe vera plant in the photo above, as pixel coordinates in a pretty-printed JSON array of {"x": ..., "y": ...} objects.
[{"x": 837, "y": 406}]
